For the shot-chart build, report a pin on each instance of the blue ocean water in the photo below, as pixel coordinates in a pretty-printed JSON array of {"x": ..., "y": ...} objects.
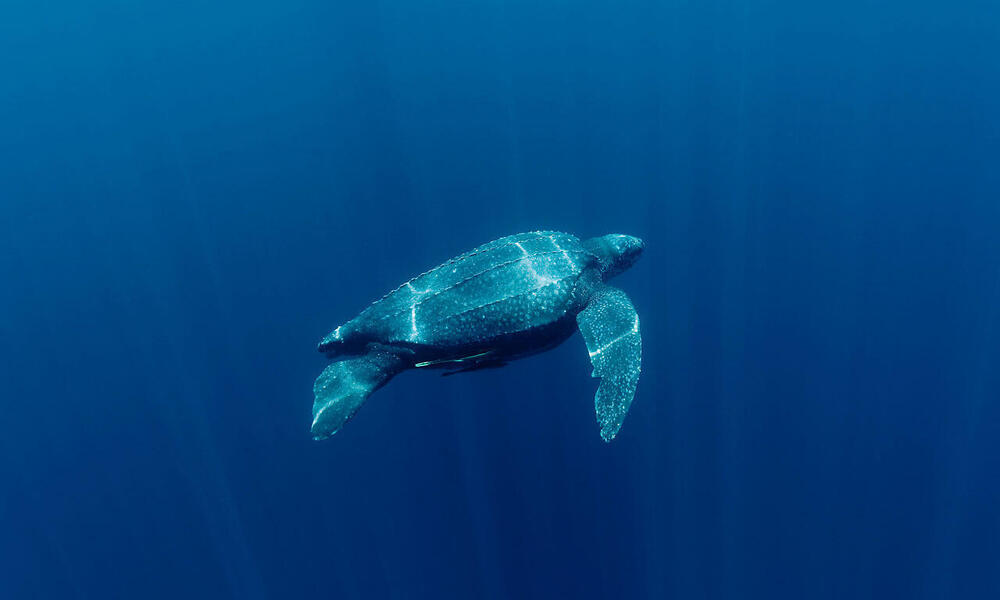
[{"x": 192, "y": 194}]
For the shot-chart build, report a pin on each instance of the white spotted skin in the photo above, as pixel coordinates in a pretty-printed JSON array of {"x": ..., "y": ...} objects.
[
  {"x": 507, "y": 299},
  {"x": 610, "y": 328},
  {"x": 518, "y": 284}
]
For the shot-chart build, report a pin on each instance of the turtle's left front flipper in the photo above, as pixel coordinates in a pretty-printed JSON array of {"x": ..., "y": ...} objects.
[{"x": 610, "y": 326}]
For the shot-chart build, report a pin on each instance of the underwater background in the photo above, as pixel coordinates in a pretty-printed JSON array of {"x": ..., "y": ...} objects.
[{"x": 192, "y": 194}]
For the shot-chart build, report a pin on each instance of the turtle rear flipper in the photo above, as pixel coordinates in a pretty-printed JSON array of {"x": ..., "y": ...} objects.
[
  {"x": 610, "y": 326},
  {"x": 343, "y": 387}
]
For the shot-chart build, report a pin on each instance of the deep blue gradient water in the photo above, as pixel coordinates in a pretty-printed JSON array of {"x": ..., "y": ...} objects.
[{"x": 191, "y": 196}]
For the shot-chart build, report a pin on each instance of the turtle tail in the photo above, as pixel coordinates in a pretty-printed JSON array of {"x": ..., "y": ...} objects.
[
  {"x": 344, "y": 386},
  {"x": 333, "y": 344},
  {"x": 344, "y": 340}
]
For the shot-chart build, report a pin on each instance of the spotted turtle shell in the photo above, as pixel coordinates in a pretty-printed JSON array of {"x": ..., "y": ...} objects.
[{"x": 519, "y": 283}]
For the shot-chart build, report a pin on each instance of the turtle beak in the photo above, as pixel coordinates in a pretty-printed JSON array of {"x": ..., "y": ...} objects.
[{"x": 636, "y": 247}]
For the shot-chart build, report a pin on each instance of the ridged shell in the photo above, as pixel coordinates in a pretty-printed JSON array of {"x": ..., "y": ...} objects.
[{"x": 512, "y": 284}]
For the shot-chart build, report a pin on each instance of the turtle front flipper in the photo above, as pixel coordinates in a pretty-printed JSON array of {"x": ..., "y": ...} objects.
[
  {"x": 343, "y": 387},
  {"x": 610, "y": 327}
]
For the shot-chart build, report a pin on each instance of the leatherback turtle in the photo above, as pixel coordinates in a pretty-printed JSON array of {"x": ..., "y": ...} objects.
[{"x": 510, "y": 298}]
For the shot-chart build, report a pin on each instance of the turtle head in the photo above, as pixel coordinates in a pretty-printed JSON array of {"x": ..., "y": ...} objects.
[{"x": 615, "y": 252}]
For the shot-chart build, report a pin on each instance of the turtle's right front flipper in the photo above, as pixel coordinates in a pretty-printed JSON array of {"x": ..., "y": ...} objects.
[
  {"x": 610, "y": 326},
  {"x": 344, "y": 386}
]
